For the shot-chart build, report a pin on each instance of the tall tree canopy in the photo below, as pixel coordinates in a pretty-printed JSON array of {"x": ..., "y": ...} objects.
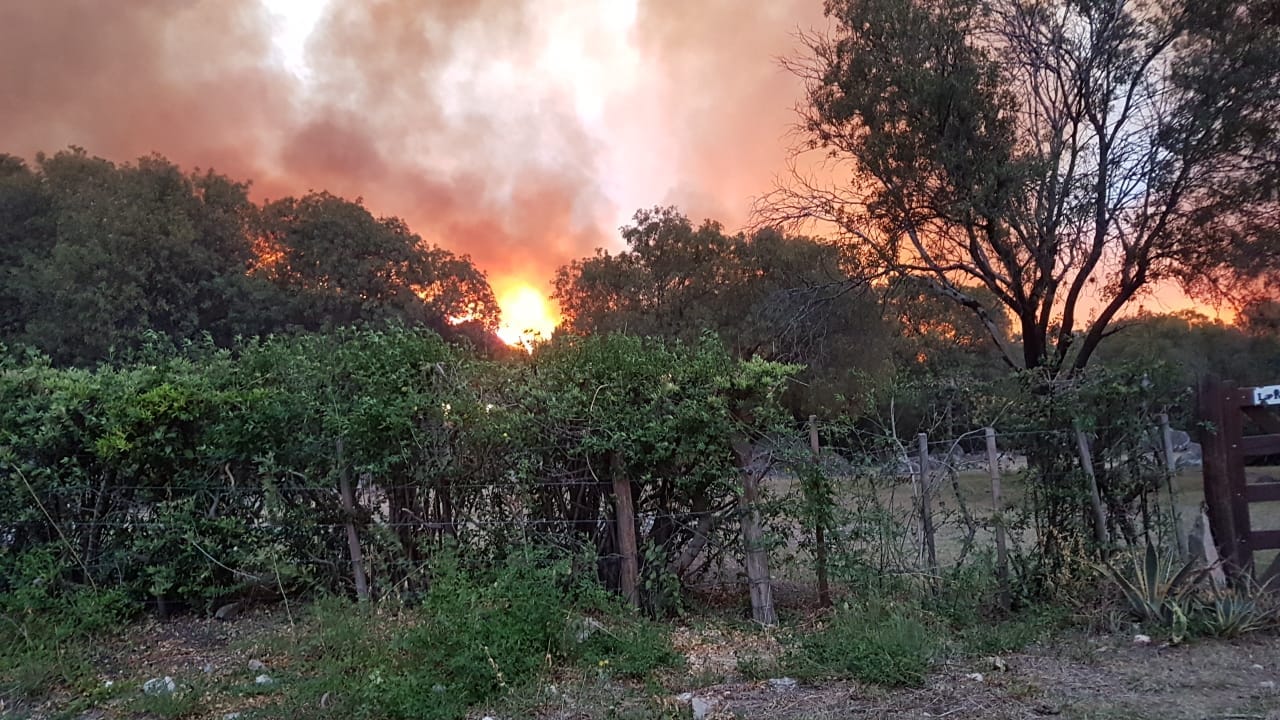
[
  {"x": 789, "y": 299},
  {"x": 339, "y": 264},
  {"x": 93, "y": 255},
  {"x": 1062, "y": 154}
]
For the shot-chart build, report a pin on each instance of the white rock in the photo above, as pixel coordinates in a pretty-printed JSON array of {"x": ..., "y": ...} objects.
[
  {"x": 1141, "y": 639},
  {"x": 702, "y": 707},
  {"x": 231, "y": 716},
  {"x": 264, "y": 680},
  {"x": 976, "y": 677},
  {"x": 256, "y": 665},
  {"x": 684, "y": 698},
  {"x": 1267, "y": 684},
  {"x": 160, "y": 686},
  {"x": 207, "y": 668},
  {"x": 782, "y": 683},
  {"x": 108, "y": 683},
  {"x": 1256, "y": 667},
  {"x": 997, "y": 663}
]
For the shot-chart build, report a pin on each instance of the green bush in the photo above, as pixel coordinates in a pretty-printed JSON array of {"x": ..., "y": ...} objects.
[
  {"x": 48, "y": 626},
  {"x": 877, "y": 643},
  {"x": 478, "y": 634}
]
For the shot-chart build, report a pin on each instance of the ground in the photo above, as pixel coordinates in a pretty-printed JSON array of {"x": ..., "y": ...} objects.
[{"x": 1076, "y": 676}]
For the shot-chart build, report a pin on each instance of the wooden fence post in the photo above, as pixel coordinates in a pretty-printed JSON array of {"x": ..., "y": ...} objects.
[
  {"x": 926, "y": 505},
  {"x": 1217, "y": 492},
  {"x": 819, "y": 532},
  {"x": 1095, "y": 496},
  {"x": 625, "y": 516},
  {"x": 353, "y": 539},
  {"x": 1170, "y": 465},
  {"x": 759, "y": 584},
  {"x": 997, "y": 502}
]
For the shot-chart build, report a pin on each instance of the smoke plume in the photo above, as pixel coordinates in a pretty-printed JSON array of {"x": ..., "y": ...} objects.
[{"x": 519, "y": 132}]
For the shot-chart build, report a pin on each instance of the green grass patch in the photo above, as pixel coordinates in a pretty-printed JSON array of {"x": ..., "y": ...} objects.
[
  {"x": 478, "y": 636},
  {"x": 876, "y": 643}
]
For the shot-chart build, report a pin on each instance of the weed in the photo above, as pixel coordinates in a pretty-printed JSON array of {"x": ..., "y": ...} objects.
[
  {"x": 479, "y": 636},
  {"x": 876, "y": 643},
  {"x": 48, "y": 631}
]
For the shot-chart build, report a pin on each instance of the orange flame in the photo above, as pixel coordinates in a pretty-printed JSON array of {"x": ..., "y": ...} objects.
[{"x": 527, "y": 315}]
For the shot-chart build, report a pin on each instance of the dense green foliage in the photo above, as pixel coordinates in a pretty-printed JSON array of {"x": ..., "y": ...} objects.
[
  {"x": 93, "y": 255},
  {"x": 200, "y": 477},
  {"x": 477, "y": 635}
]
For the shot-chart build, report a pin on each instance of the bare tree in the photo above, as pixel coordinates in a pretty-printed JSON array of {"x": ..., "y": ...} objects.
[{"x": 1063, "y": 154}]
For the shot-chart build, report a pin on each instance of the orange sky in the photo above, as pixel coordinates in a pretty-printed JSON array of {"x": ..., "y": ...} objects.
[{"x": 521, "y": 132}]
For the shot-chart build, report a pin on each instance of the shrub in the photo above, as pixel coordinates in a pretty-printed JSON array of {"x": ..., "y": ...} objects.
[
  {"x": 47, "y": 625},
  {"x": 882, "y": 644},
  {"x": 1157, "y": 589},
  {"x": 478, "y": 634}
]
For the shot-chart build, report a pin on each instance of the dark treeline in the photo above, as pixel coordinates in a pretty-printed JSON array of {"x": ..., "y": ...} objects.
[
  {"x": 94, "y": 255},
  {"x": 862, "y": 336}
]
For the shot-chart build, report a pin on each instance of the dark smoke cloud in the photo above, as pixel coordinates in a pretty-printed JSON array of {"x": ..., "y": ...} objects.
[{"x": 427, "y": 110}]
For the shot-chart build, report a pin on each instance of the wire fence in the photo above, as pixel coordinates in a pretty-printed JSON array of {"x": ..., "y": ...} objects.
[{"x": 887, "y": 505}]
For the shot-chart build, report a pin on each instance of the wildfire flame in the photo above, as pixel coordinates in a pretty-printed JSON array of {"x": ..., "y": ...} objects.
[{"x": 527, "y": 315}]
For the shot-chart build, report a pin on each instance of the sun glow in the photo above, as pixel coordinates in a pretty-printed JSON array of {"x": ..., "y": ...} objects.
[{"x": 527, "y": 315}]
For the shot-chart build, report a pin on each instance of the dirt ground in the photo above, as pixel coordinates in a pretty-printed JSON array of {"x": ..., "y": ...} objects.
[
  {"x": 1081, "y": 677},
  {"x": 1078, "y": 676}
]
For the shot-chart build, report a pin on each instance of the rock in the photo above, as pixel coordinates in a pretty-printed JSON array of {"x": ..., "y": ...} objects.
[
  {"x": 264, "y": 680},
  {"x": 257, "y": 665},
  {"x": 783, "y": 683},
  {"x": 975, "y": 677},
  {"x": 1203, "y": 548},
  {"x": 438, "y": 689},
  {"x": 702, "y": 707},
  {"x": 231, "y": 716},
  {"x": 1141, "y": 639},
  {"x": 207, "y": 668},
  {"x": 997, "y": 663},
  {"x": 1267, "y": 685},
  {"x": 228, "y": 612},
  {"x": 1046, "y": 709},
  {"x": 108, "y": 683},
  {"x": 586, "y": 627},
  {"x": 684, "y": 698},
  {"x": 160, "y": 686}
]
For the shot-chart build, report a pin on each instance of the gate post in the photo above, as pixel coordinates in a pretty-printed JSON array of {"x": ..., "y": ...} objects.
[{"x": 1217, "y": 488}]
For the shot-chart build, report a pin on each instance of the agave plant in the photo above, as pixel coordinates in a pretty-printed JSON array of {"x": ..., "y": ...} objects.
[
  {"x": 1244, "y": 608},
  {"x": 1157, "y": 589}
]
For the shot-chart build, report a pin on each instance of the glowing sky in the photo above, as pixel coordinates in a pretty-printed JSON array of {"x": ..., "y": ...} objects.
[{"x": 520, "y": 132}]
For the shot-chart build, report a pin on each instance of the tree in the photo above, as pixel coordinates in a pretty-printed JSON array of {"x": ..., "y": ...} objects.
[
  {"x": 24, "y": 231},
  {"x": 339, "y": 264},
  {"x": 94, "y": 255},
  {"x": 782, "y": 298},
  {"x": 1194, "y": 345},
  {"x": 107, "y": 252},
  {"x": 1059, "y": 153}
]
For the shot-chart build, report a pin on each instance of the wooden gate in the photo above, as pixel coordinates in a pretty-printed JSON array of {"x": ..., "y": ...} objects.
[{"x": 1223, "y": 411}]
